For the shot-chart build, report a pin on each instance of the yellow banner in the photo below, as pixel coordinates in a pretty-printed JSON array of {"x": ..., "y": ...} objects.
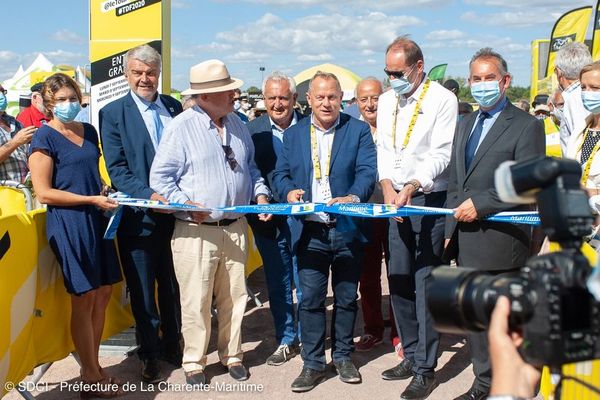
[
  {"x": 539, "y": 57},
  {"x": 571, "y": 27},
  {"x": 596, "y": 34},
  {"x": 117, "y": 26}
]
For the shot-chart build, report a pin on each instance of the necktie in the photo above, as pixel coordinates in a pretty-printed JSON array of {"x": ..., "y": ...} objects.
[
  {"x": 473, "y": 141},
  {"x": 158, "y": 126}
]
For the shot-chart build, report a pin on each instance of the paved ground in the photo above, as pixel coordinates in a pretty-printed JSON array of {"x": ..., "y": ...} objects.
[{"x": 454, "y": 371}]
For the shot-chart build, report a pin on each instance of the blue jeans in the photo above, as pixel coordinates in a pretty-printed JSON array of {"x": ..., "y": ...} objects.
[
  {"x": 319, "y": 249},
  {"x": 281, "y": 271}
]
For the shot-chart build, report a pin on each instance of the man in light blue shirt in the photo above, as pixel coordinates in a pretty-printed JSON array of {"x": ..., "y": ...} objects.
[{"x": 206, "y": 157}]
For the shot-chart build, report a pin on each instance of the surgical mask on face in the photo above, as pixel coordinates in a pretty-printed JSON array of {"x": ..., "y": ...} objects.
[
  {"x": 246, "y": 106},
  {"x": 66, "y": 111},
  {"x": 237, "y": 105},
  {"x": 401, "y": 86},
  {"x": 591, "y": 101},
  {"x": 3, "y": 102},
  {"x": 486, "y": 94},
  {"x": 558, "y": 113},
  {"x": 541, "y": 117}
]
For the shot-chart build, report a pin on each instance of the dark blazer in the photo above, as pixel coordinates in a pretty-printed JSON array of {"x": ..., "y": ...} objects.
[
  {"x": 353, "y": 170},
  {"x": 128, "y": 152},
  {"x": 266, "y": 159},
  {"x": 516, "y": 136},
  {"x": 262, "y": 136}
]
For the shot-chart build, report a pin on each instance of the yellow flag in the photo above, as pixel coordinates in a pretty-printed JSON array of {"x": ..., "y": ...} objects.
[
  {"x": 539, "y": 58},
  {"x": 596, "y": 34},
  {"x": 571, "y": 27}
]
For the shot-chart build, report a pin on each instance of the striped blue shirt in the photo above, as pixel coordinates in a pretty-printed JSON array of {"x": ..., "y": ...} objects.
[{"x": 190, "y": 164}]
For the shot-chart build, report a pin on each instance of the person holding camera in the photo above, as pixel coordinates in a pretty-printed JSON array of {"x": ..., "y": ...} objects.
[
  {"x": 513, "y": 378},
  {"x": 496, "y": 133}
]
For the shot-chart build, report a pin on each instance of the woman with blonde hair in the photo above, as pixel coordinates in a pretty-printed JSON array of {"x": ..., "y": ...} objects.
[
  {"x": 63, "y": 159},
  {"x": 584, "y": 145}
]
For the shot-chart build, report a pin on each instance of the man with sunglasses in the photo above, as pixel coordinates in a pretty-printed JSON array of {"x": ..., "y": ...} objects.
[
  {"x": 206, "y": 158},
  {"x": 415, "y": 123}
]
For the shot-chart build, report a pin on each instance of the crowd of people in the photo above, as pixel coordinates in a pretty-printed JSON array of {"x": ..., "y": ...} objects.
[{"x": 413, "y": 144}]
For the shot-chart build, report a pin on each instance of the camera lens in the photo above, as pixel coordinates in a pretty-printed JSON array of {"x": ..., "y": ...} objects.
[{"x": 462, "y": 299}]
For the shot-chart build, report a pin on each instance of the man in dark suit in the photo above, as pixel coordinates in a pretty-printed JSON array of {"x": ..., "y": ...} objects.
[
  {"x": 327, "y": 158},
  {"x": 131, "y": 128},
  {"x": 498, "y": 132},
  {"x": 273, "y": 237}
]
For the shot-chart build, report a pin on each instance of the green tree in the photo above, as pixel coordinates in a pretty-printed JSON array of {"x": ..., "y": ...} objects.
[{"x": 253, "y": 90}]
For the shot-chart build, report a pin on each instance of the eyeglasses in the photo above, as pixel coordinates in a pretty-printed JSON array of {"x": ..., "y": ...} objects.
[
  {"x": 396, "y": 74},
  {"x": 230, "y": 157},
  {"x": 3, "y": 91}
]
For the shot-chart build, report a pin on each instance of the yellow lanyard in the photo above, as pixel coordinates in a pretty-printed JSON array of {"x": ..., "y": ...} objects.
[
  {"x": 315, "y": 154},
  {"x": 413, "y": 120},
  {"x": 588, "y": 163}
]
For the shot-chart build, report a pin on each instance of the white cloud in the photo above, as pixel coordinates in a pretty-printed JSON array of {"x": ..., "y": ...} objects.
[
  {"x": 344, "y": 5},
  {"x": 65, "y": 35},
  {"x": 198, "y": 51},
  {"x": 62, "y": 56},
  {"x": 514, "y": 19},
  {"x": 247, "y": 56},
  {"x": 8, "y": 56},
  {"x": 531, "y": 4},
  {"x": 180, "y": 4},
  {"x": 315, "y": 57},
  {"x": 319, "y": 33},
  {"x": 445, "y": 34}
]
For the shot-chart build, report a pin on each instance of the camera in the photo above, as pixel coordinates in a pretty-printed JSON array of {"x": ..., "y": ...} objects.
[{"x": 550, "y": 303}]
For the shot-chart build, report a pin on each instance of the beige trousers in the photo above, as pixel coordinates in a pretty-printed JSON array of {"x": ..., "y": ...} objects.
[{"x": 211, "y": 260}]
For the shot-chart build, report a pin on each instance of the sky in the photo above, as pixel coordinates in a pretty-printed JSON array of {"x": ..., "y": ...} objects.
[{"x": 292, "y": 35}]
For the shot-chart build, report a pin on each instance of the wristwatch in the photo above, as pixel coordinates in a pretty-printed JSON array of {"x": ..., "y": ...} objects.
[
  {"x": 414, "y": 183},
  {"x": 267, "y": 195},
  {"x": 355, "y": 198}
]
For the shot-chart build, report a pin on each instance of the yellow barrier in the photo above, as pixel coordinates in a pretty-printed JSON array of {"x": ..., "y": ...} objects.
[
  {"x": 34, "y": 305},
  {"x": 12, "y": 201}
]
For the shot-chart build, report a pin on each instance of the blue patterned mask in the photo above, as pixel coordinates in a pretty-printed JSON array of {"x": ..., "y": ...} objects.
[
  {"x": 3, "y": 102},
  {"x": 591, "y": 101},
  {"x": 67, "y": 111}
]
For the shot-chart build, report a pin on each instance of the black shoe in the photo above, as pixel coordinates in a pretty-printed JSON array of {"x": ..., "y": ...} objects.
[
  {"x": 400, "y": 371},
  {"x": 195, "y": 378},
  {"x": 283, "y": 353},
  {"x": 419, "y": 388},
  {"x": 347, "y": 371},
  {"x": 151, "y": 372},
  {"x": 307, "y": 380},
  {"x": 473, "y": 394},
  {"x": 238, "y": 372}
]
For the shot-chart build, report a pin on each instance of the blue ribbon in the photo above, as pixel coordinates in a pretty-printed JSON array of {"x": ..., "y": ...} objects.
[{"x": 364, "y": 210}]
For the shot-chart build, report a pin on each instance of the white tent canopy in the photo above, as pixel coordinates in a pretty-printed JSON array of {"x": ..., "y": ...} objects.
[{"x": 20, "y": 83}]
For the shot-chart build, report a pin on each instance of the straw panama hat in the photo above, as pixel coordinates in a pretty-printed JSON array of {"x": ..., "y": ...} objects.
[{"x": 211, "y": 77}]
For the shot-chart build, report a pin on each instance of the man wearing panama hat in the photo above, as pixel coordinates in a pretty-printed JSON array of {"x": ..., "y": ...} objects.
[{"x": 206, "y": 158}]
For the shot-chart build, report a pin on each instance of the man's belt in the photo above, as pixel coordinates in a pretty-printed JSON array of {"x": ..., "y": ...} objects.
[{"x": 221, "y": 222}]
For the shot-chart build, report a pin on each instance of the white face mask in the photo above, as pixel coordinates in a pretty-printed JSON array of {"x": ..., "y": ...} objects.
[{"x": 237, "y": 105}]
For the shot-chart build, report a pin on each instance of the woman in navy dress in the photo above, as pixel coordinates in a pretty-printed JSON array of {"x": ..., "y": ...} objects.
[{"x": 64, "y": 170}]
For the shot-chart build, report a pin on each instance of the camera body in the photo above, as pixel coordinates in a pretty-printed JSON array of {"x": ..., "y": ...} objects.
[{"x": 550, "y": 303}]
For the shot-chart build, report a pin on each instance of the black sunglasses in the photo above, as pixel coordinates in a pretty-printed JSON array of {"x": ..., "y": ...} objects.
[
  {"x": 395, "y": 74},
  {"x": 230, "y": 157},
  {"x": 3, "y": 91}
]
